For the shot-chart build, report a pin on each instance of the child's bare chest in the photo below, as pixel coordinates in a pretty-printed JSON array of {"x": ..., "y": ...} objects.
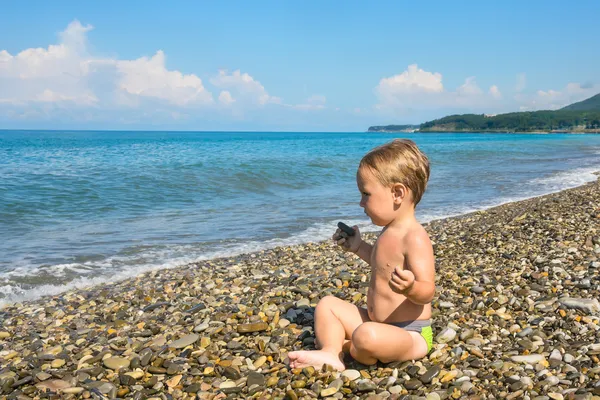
[{"x": 384, "y": 268}]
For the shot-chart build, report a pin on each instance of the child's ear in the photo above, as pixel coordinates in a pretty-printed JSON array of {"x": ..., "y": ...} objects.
[{"x": 399, "y": 191}]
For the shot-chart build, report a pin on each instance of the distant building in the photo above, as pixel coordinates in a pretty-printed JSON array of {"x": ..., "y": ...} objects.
[{"x": 489, "y": 115}]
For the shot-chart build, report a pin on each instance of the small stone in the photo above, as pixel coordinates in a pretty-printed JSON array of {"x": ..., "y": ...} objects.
[
  {"x": 467, "y": 334},
  {"x": 528, "y": 359},
  {"x": 336, "y": 383},
  {"x": 255, "y": 378},
  {"x": 260, "y": 361},
  {"x": 204, "y": 342},
  {"x": 174, "y": 381},
  {"x": 185, "y": 341},
  {"x": 449, "y": 376},
  {"x": 303, "y": 303},
  {"x": 135, "y": 374},
  {"x": 73, "y": 390},
  {"x": 4, "y": 335},
  {"x": 53, "y": 385},
  {"x": 231, "y": 373},
  {"x": 116, "y": 363},
  {"x": 58, "y": 363},
  {"x": 447, "y": 335},
  {"x": 193, "y": 388},
  {"x": 272, "y": 381},
  {"x": 430, "y": 374},
  {"x": 525, "y": 332},
  {"x": 283, "y": 323},
  {"x": 351, "y": 374},
  {"x": 413, "y": 384},
  {"x": 555, "y": 355},
  {"x": 201, "y": 327},
  {"x": 365, "y": 385},
  {"x": 589, "y": 306},
  {"x": 397, "y": 389},
  {"x": 42, "y": 376},
  {"x": 253, "y": 327},
  {"x": 552, "y": 381},
  {"x": 328, "y": 392},
  {"x": 298, "y": 384}
]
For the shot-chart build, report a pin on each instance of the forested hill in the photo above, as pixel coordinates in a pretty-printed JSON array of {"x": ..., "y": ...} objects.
[
  {"x": 583, "y": 116},
  {"x": 591, "y": 104},
  {"x": 536, "y": 121}
]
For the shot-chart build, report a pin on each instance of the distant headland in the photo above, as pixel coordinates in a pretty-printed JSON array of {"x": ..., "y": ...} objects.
[{"x": 581, "y": 117}]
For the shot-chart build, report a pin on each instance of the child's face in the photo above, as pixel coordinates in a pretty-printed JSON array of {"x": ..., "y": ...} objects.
[{"x": 376, "y": 199}]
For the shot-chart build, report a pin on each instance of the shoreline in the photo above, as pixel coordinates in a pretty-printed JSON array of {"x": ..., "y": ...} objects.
[
  {"x": 222, "y": 327},
  {"x": 69, "y": 285},
  {"x": 585, "y": 132}
]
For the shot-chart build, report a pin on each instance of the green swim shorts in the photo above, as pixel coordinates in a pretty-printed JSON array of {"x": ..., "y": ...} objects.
[{"x": 421, "y": 326}]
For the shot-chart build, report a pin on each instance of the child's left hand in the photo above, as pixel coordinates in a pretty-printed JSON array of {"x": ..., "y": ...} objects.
[{"x": 402, "y": 280}]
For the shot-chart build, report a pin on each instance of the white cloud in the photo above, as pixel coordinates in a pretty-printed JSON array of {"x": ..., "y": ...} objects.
[
  {"x": 419, "y": 92},
  {"x": 413, "y": 80},
  {"x": 244, "y": 87},
  {"x": 48, "y": 96},
  {"x": 149, "y": 77},
  {"x": 67, "y": 73},
  {"x": 417, "y": 89},
  {"x": 495, "y": 92},
  {"x": 225, "y": 98},
  {"x": 555, "y": 99},
  {"x": 469, "y": 88},
  {"x": 55, "y": 74}
]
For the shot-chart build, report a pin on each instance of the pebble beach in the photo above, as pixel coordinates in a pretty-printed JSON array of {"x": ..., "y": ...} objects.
[{"x": 516, "y": 316}]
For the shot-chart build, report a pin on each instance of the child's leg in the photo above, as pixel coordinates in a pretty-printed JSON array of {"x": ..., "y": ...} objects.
[
  {"x": 374, "y": 341},
  {"x": 335, "y": 320}
]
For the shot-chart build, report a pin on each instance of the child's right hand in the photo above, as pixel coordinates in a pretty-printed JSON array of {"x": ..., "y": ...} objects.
[{"x": 348, "y": 243}]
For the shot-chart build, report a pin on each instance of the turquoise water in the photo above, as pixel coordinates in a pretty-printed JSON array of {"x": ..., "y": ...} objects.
[{"x": 79, "y": 208}]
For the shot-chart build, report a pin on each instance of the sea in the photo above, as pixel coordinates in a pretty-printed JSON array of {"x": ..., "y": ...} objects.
[{"x": 79, "y": 208}]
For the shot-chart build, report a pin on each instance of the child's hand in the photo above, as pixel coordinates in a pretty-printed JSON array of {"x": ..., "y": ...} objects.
[
  {"x": 402, "y": 280},
  {"x": 348, "y": 243}
]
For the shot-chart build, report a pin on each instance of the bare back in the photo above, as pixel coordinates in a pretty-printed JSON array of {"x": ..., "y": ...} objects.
[{"x": 392, "y": 249}]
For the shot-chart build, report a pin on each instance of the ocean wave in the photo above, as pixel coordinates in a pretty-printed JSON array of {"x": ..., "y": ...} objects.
[
  {"x": 134, "y": 262},
  {"x": 568, "y": 179},
  {"x": 117, "y": 267}
]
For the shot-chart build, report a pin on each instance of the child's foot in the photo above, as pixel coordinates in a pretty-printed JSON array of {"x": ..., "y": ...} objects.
[{"x": 315, "y": 358}]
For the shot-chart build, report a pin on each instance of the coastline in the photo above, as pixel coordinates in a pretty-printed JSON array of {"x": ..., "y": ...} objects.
[
  {"x": 500, "y": 274},
  {"x": 569, "y": 132}
]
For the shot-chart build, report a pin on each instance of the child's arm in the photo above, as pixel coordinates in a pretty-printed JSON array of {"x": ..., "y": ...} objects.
[
  {"x": 418, "y": 282},
  {"x": 364, "y": 251}
]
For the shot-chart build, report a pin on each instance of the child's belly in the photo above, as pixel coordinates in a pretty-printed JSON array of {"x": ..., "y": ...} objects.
[{"x": 385, "y": 305}]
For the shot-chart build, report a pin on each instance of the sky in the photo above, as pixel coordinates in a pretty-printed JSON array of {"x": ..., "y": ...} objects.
[{"x": 289, "y": 66}]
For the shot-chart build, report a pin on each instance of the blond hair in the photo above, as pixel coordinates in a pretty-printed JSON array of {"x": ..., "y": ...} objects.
[{"x": 399, "y": 161}]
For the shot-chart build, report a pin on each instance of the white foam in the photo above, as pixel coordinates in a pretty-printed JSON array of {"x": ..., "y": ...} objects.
[
  {"x": 537, "y": 187},
  {"x": 117, "y": 268},
  {"x": 568, "y": 179}
]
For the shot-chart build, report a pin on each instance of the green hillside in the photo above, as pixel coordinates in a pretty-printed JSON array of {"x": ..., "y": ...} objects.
[
  {"x": 536, "y": 121},
  {"x": 583, "y": 116},
  {"x": 591, "y": 104}
]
